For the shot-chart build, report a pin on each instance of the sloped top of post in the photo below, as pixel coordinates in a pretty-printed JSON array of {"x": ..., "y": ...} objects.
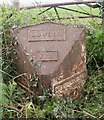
[{"x": 48, "y": 43}]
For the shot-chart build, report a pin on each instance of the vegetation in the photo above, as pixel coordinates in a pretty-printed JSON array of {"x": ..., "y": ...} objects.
[{"x": 15, "y": 103}]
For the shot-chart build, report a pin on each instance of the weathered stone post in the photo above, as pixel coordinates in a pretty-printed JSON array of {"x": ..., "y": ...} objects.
[{"x": 55, "y": 53}]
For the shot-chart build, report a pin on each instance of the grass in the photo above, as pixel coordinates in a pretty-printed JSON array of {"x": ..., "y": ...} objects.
[{"x": 17, "y": 104}]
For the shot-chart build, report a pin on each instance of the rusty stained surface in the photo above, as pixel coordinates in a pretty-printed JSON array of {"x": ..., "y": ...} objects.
[{"x": 56, "y": 53}]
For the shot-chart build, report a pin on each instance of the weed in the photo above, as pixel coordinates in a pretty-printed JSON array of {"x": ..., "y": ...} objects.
[{"x": 16, "y": 103}]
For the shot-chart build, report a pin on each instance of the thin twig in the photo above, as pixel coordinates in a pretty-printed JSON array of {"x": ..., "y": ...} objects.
[
  {"x": 24, "y": 87},
  {"x": 11, "y": 107},
  {"x": 6, "y": 73},
  {"x": 101, "y": 116},
  {"x": 89, "y": 114}
]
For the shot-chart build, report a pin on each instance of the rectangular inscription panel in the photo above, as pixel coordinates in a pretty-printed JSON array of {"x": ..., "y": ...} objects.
[
  {"x": 46, "y": 56},
  {"x": 46, "y": 35}
]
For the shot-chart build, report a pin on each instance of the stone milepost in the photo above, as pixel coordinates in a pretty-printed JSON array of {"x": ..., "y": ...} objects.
[{"x": 59, "y": 54}]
